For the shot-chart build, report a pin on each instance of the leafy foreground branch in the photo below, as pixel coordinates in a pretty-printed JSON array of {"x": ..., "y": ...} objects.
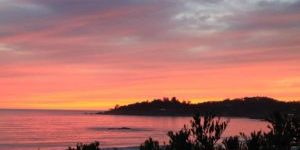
[
  {"x": 92, "y": 146},
  {"x": 206, "y": 131}
]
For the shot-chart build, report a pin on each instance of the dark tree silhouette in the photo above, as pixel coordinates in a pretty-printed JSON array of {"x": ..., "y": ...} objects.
[
  {"x": 284, "y": 131},
  {"x": 204, "y": 133},
  {"x": 180, "y": 140},
  {"x": 256, "y": 141},
  {"x": 207, "y": 132},
  {"x": 252, "y": 107},
  {"x": 232, "y": 143},
  {"x": 92, "y": 146},
  {"x": 150, "y": 144}
]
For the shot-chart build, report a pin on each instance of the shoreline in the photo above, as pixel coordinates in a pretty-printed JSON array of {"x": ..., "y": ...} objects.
[
  {"x": 121, "y": 148},
  {"x": 143, "y": 115}
]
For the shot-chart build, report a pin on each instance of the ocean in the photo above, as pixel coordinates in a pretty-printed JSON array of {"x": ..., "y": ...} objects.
[{"x": 57, "y": 129}]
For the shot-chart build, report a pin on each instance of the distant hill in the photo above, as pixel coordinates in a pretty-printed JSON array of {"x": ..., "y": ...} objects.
[{"x": 252, "y": 107}]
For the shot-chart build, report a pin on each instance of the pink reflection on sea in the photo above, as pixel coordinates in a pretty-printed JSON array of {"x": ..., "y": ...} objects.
[{"x": 47, "y": 130}]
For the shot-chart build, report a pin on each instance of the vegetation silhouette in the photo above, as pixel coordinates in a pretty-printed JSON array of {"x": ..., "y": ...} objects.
[
  {"x": 180, "y": 139},
  {"x": 92, "y": 146},
  {"x": 251, "y": 107},
  {"x": 150, "y": 144},
  {"x": 232, "y": 143},
  {"x": 284, "y": 131},
  {"x": 256, "y": 140},
  {"x": 205, "y": 133}
]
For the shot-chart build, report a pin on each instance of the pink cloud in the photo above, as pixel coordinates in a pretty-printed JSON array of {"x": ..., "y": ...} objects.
[{"x": 131, "y": 50}]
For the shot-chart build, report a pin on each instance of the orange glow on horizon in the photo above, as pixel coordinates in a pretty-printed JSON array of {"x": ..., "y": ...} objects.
[
  {"x": 53, "y": 56},
  {"x": 84, "y": 93}
]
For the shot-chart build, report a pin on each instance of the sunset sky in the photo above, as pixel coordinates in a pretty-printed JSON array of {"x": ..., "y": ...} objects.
[{"x": 93, "y": 54}]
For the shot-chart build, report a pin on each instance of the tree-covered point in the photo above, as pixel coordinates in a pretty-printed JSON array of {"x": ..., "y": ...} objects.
[{"x": 252, "y": 107}]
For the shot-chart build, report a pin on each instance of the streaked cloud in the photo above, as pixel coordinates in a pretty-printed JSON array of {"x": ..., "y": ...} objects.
[{"x": 185, "y": 48}]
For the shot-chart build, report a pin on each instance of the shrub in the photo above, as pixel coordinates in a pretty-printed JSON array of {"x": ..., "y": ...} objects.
[
  {"x": 180, "y": 140},
  {"x": 284, "y": 130},
  {"x": 92, "y": 146},
  {"x": 256, "y": 141},
  {"x": 232, "y": 143},
  {"x": 207, "y": 132},
  {"x": 150, "y": 144}
]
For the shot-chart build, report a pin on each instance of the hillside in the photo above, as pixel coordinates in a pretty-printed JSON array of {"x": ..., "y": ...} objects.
[{"x": 252, "y": 107}]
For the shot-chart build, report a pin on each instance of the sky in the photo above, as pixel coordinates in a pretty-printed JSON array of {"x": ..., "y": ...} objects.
[{"x": 94, "y": 54}]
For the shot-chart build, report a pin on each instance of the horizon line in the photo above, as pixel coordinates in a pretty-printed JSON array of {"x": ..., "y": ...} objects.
[{"x": 94, "y": 109}]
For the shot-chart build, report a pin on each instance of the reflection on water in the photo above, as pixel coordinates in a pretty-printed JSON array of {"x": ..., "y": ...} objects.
[{"x": 28, "y": 129}]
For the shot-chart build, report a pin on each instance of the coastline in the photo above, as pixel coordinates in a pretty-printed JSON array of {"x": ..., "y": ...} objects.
[
  {"x": 121, "y": 148},
  {"x": 175, "y": 115}
]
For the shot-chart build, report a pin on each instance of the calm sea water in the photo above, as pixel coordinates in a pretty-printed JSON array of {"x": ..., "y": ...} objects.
[{"x": 51, "y": 130}]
